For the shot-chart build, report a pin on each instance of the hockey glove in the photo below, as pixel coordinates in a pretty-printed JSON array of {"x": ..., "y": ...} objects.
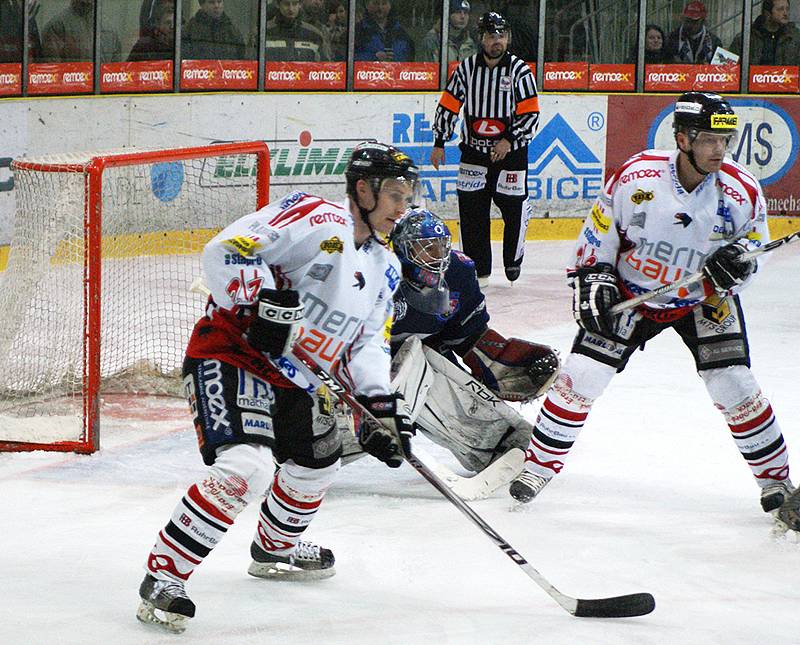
[
  {"x": 725, "y": 271},
  {"x": 595, "y": 291},
  {"x": 390, "y": 441},
  {"x": 514, "y": 369},
  {"x": 277, "y": 321}
]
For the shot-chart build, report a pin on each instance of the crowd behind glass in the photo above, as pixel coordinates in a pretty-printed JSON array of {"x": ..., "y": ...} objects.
[{"x": 639, "y": 32}]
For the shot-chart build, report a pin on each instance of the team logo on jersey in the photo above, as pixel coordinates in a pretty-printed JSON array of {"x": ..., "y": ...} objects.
[
  {"x": 360, "y": 282},
  {"x": 332, "y": 245},
  {"x": 683, "y": 219},
  {"x": 505, "y": 83},
  {"x": 400, "y": 309},
  {"x": 642, "y": 196},
  {"x": 246, "y": 246},
  {"x": 639, "y": 219},
  {"x": 601, "y": 222},
  {"x": 320, "y": 271},
  {"x": 392, "y": 277}
]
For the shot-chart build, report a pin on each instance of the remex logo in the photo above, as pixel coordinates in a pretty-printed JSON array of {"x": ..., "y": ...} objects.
[
  {"x": 768, "y": 138},
  {"x": 561, "y": 166}
]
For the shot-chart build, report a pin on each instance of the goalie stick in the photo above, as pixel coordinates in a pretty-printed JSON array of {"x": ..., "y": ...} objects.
[
  {"x": 479, "y": 486},
  {"x": 637, "y": 604},
  {"x": 696, "y": 277}
]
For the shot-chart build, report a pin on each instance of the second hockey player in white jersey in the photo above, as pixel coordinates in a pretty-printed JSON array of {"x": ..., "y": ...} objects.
[
  {"x": 305, "y": 271},
  {"x": 663, "y": 215}
]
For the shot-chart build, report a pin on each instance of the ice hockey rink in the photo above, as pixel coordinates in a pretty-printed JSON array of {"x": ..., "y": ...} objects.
[{"x": 654, "y": 497}]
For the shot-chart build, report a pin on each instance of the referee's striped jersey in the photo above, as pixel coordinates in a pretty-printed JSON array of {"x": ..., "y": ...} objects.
[{"x": 499, "y": 103}]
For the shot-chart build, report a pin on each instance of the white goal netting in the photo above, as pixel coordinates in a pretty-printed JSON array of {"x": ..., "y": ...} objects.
[{"x": 156, "y": 214}]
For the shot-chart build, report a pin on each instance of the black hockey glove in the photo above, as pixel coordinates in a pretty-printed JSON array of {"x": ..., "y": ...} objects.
[
  {"x": 595, "y": 291},
  {"x": 724, "y": 270},
  {"x": 390, "y": 441},
  {"x": 277, "y": 321}
]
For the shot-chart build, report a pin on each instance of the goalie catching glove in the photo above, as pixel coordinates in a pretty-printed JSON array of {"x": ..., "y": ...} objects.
[
  {"x": 725, "y": 270},
  {"x": 390, "y": 440},
  {"x": 595, "y": 292},
  {"x": 514, "y": 369},
  {"x": 277, "y": 321}
]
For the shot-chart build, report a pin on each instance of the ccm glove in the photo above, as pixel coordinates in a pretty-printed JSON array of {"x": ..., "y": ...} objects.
[
  {"x": 388, "y": 441},
  {"x": 724, "y": 269},
  {"x": 277, "y": 321},
  {"x": 595, "y": 291}
]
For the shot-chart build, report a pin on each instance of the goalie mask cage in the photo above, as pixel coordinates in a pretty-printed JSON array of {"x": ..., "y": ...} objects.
[{"x": 95, "y": 296}]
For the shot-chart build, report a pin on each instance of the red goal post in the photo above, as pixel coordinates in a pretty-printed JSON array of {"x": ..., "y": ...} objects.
[{"x": 95, "y": 297}]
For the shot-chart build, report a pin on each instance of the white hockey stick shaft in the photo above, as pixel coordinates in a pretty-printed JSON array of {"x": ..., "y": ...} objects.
[{"x": 696, "y": 277}]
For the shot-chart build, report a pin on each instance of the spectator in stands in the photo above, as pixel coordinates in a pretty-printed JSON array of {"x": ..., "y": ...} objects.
[
  {"x": 692, "y": 42},
  {"x": 314, "y": 13},
  {"x": 380, "y": 37},
  {"x": 336, "y": 29},
  {"x": 773, "y": 39},
  {"x": 210, "y": 34},
  {"x": 460, "y": 44},
  {"x": 655, "y": 52},
  {"x": 159, "y": 41},
  {"x": 11, "y": 31},
  {"x": 147, "y": 14},
  {"x": 290, "y": 38},
  {"x": 69, "y": 36}
]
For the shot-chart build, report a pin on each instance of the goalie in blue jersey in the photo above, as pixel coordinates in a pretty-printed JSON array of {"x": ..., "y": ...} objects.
[{"x": 455, "y": 371}]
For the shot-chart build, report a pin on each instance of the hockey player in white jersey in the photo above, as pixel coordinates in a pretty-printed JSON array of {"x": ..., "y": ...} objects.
[
  {"x": 307, "y": 271},
  {"x": 662, "y": 215}
]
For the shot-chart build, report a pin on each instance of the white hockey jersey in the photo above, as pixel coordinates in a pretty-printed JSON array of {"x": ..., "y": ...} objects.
[
  {"x": 303, "y": 243},
  {"x": 654, "y": 232}
]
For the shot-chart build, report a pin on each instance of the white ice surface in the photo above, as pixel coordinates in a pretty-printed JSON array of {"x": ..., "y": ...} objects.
[{"x": 654, "y": 497}]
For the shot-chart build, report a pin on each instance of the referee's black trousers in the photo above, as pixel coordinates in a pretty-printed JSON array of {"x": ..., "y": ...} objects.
[{"x": 478, "y": 185}]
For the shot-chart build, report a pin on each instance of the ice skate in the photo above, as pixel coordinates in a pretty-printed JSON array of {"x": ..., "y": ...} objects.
[
  {"x": 308, "y": 561},
  {"x": 527, "y": 486},
  {"x": 789, "y": 512},
  {"x": 774, "y": 495},
  {"x": 483, "y": 281},
  {"x": 512, "y": 274},
  {"x": 164, "y": 603}
]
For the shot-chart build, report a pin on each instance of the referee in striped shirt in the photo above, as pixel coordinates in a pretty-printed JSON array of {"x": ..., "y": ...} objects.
[{"x": 501, "y": 113}]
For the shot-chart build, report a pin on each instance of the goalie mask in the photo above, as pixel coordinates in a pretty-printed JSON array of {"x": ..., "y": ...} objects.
[{"x": 422, "y": 243}]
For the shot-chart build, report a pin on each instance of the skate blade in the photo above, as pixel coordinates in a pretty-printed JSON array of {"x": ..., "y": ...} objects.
[
  {"x": 283, "y": 571},
  {"x": 174, "y": 623}
]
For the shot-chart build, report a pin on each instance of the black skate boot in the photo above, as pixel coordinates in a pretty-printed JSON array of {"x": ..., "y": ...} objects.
[
  {"x": 773, "y": 496},
  {"x": 526, "y": 486},
  {"x": 306, "y": 562},
  {"x": 164, "y": 603}
]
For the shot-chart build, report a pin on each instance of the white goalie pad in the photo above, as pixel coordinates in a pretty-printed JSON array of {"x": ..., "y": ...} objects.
[{"x": 454, "y": 410}]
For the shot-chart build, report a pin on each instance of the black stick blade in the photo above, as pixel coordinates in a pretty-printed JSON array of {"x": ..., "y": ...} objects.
[{"x": 635, "y": 604}]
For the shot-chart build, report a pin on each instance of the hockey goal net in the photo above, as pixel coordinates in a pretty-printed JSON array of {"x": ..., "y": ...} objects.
[{"x": 95, "y": 293}]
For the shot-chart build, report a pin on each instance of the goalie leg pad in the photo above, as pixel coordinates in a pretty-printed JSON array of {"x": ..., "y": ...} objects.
[{"x": 456, "y": 411}]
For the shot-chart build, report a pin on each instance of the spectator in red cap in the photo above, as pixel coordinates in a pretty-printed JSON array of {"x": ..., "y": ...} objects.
[{"x": 692, "y": 42}]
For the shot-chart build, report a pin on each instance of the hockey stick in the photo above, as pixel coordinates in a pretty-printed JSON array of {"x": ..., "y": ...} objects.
[
  {"x": 637, "y": 604},
  {"x": 696, "y": 277},
  {"x": 499, "y": 473}
]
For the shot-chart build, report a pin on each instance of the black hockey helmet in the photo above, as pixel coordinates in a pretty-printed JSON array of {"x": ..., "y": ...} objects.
[
  {"x": 375, "y": 162},
  {"x": 492, "y": 23},
  {"x": 703, "y": 111},
  {"x": 422, "y": 243}
]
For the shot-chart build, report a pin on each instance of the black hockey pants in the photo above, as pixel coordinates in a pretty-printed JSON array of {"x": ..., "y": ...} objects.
[{"x": 506, "y": 182}]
